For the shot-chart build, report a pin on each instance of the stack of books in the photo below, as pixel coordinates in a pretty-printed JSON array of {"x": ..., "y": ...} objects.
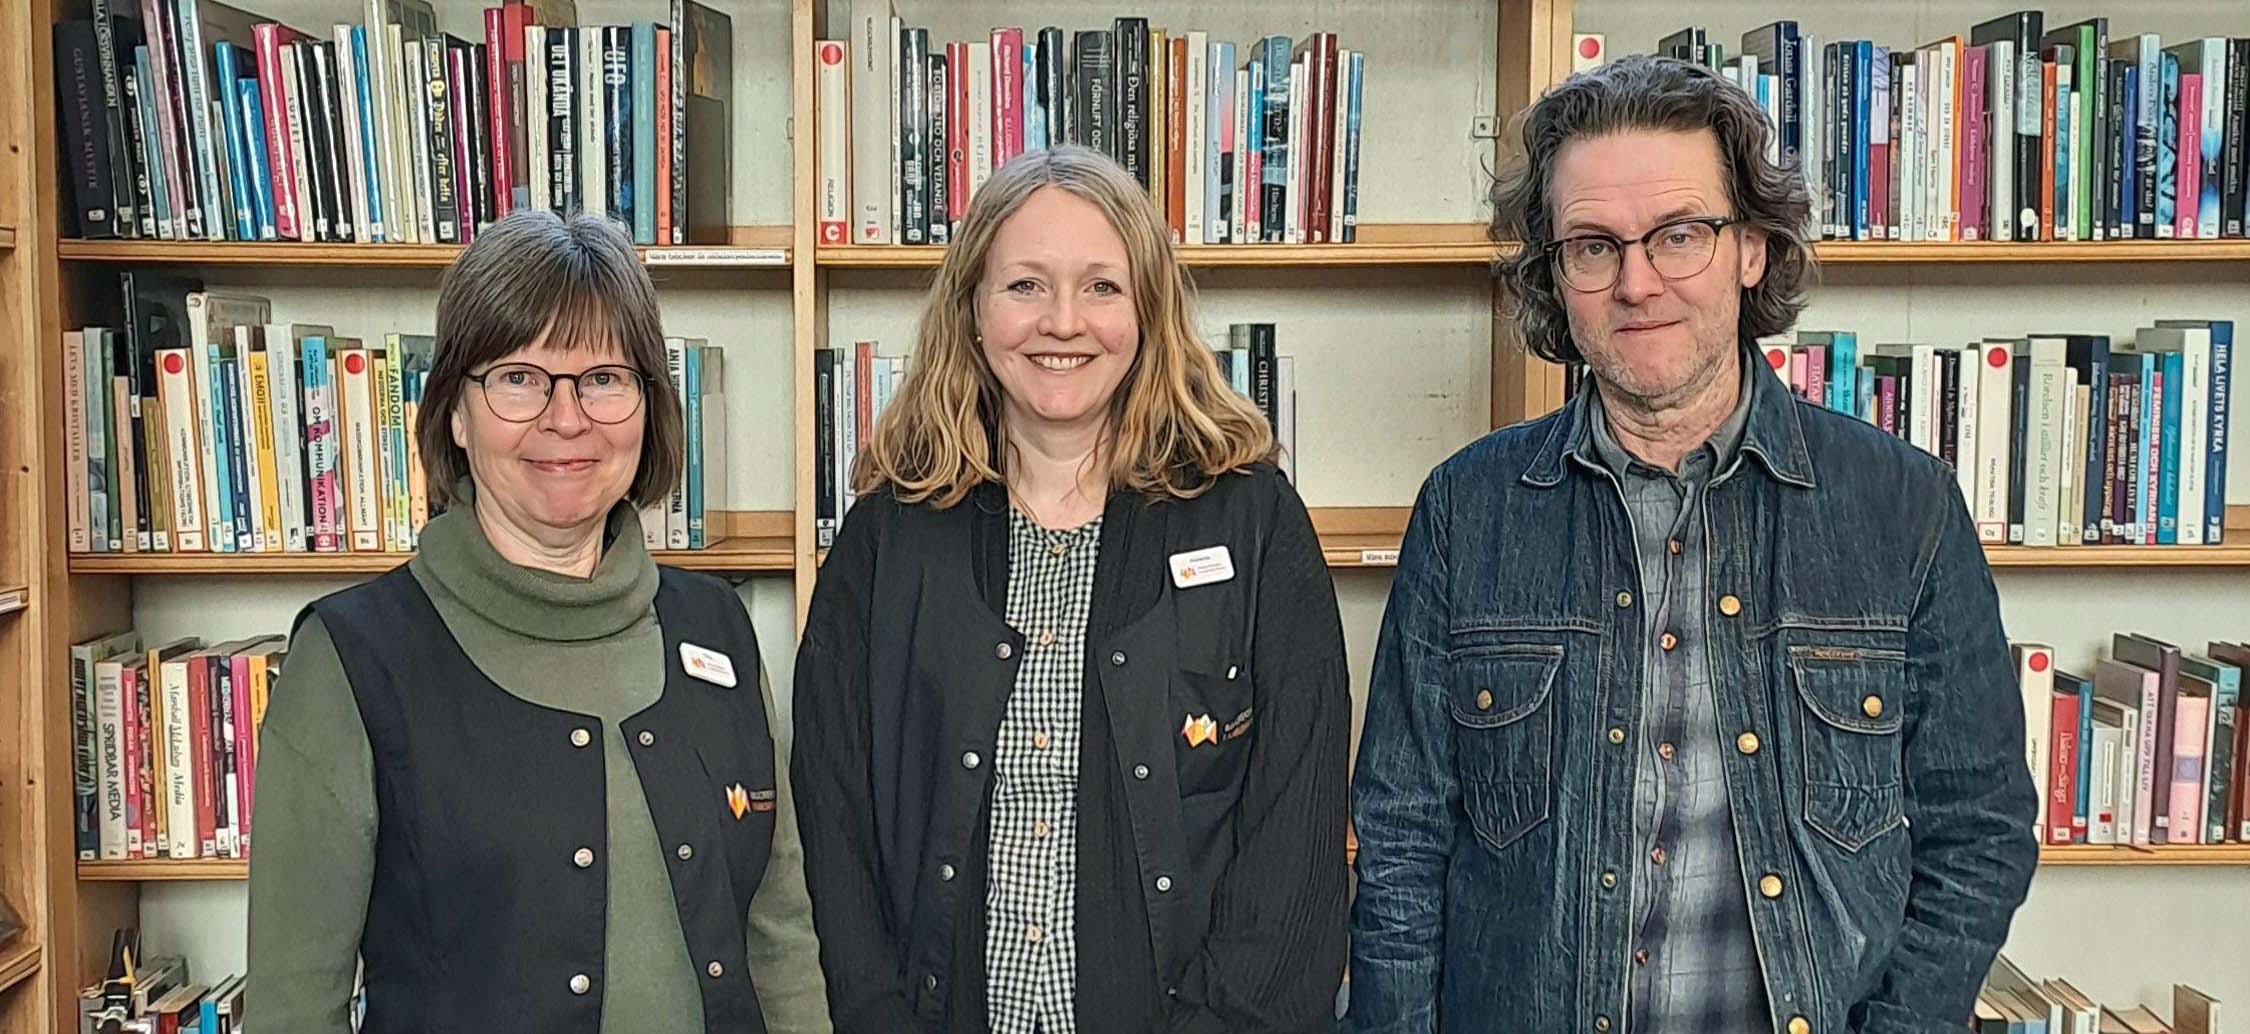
[
  {"x": 1260, "y": 146},
  {"x": 157, "y": 995},
  {"x": 198, "y": 121},
  {"x": 2013, "y": 1003}
]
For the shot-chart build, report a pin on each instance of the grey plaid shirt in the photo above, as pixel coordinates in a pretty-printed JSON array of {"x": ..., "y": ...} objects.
[
  {"x": 1695, "y": 962},
  {"x": 1031, "y": 945}
]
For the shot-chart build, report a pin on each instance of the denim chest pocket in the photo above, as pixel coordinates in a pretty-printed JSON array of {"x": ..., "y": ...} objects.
[
  {"x": 1504, "y": 737},
  {"x": 1853, "y": 717}
]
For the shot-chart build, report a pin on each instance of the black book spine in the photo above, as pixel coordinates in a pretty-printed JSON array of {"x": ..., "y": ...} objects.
[
  {"x": 238, "y": 455},
  {"x": 2091, "y": 355},
  {"x": 2113, "y": 460},
  {"x": 1131, "y": 150},
  {"x": 2114, "y": 145},
  {"x": 824, "y": 466},
  {"x": 675, "y": 108},
  {"x": 2144, "y": 158},
  {"x": 1847, "y": 64},
  {"x": 319, "y": 185},
  {"x": 2235, "y": 153},
  {"x": 617, "y": 84},
  {"x": 2108, "y": 118},
  {"x": 1097, "y": 90},
  {"x": 915, "y": 153},
  {"x": 187, "y": 184},
  {"x": 2029, "y": 97},
  {"x": 1949, "y": 406},
  {"x": 338, "y": 156},
  {"x": 562, "y": 118},
  {"x": 1054, "y": 99},
  {"x": 85, "y": 129},
  {"x": 114, "y": 38},
  {"x": 222, "y": 745},
  {"x": 480, "y": 132},
  {"x": 941, "y": 184},
  {"x": 1261, "y": 373},
  {"x": 2020, "y": 374},
  {"x": 137, "y": 140},
  {"x": 2135, "y": 406},
  {"x": 128, "y": 365},
  {"x": 438, "y": 96}
]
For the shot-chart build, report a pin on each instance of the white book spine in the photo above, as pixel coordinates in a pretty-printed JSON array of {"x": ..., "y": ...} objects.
[
  {"x": 418, "y": 132},
  {"x": 1965, "y": 423},
  {"x": 74, "y": 441},
  {"x": 288, "y": 435},
  {"x": 1339, "y": 156},
  {"x": 2144, "y": 778},
  {"x": 310, "y": 225},
  {"x": 1238, "y": 221},
  {"x": 1293, "y": 181},
  {"x": 1995, "y": 427},
  {"x": 2069, "y": 499},
  {"x": 1911, "y": 154},
  {"x": 897, "y": 173},
  {"x": 2043, "y": 428},
  {"x": 355, "y": 151},
  {"x": 675, "y": 504},
  {"x": 2035, "y": 678},
  {"x": 2195, "y": 431},
  {"x": 1922, "y": 404},
  {"x": 218, "y": 524},
  {"x": 1198, "y": 134},
  {"x": 2125, "y": 768},
  {"x": 361, "y": 469},
  {"x": 593, "y": 119},
  {"x": 2101, "y": 801},
  {"x": 382, "y": 70},
  {"x": 109, "y": 720},
  {"x": 537, "y": 103},
  {"x": 179, "y": 769},
  {"x": 2000, "y": 64},
  {"x": 1949, "y": 134},
  {"x": 979, "y": 117},
  {"x": 873, "y": 51},
  {"x": 832, "y": 94},
  {"x": 176, "y": 395}
]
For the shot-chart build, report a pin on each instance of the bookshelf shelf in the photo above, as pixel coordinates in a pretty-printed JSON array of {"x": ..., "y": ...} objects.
[
  {"x": 1858, "y": 253},
  {"x": 1384, "y": 244},
  {"x": 19, "y": 962},
  {"x": 209, "y": 869},
  {"x": 752, "y": 246},
  {"x": 2119, "y": 556},
  {"x": 2185, "y": 854}
]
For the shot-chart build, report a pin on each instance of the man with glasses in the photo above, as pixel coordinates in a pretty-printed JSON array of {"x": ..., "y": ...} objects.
[{"x": 1692, "y": 711}]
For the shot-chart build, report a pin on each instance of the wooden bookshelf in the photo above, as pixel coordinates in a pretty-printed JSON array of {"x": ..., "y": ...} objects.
[
  {"x": 1379, "y": 244},
  {"x": 202, "y": 869},
  {"x": 752, "y": 246},
  {"x": 2119, "y": 556},
  {"x": 2184, "y": 854},
  {"x": 20, "y": 961}
]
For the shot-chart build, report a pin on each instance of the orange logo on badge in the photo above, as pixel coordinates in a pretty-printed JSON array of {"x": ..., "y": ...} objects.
[
  {"x": 1199, "y": 729},
  {"x": 738, "y": 801}
]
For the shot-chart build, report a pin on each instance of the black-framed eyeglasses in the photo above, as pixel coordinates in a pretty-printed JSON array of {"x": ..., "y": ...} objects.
[
  {"x": 1676, "y": 250},
  {"x": 519, "y": 392}
]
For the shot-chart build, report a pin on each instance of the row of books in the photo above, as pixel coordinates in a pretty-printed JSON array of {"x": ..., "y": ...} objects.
[
  {"x": 2014, "y": 132},
  {"x": 1260, "y": 146},
  {"x": 160, "y": 995},
  {"x": 852, "y": 386},
  {"x": 204, "y": 426},
  {"x": 2057, "y": 439},
  {"x": 2011, "y": 1002},
  {"x": 200, "y": 121},
  {"x": 166, "y": 744},
  {"x": 2149, "y": 750}
]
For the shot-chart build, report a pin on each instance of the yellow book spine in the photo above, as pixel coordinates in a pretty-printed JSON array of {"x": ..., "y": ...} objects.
[{"x": 261, "y": 434}]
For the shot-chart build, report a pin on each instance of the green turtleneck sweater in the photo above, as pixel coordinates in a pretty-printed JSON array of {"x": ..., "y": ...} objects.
[{"x": 589, "y": 646}]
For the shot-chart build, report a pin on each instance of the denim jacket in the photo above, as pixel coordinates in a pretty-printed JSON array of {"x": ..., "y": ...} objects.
[{"x": 1881, "y": 803}]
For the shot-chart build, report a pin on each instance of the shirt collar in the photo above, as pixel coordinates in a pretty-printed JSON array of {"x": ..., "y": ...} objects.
[{"x": 1765, "y": 424}]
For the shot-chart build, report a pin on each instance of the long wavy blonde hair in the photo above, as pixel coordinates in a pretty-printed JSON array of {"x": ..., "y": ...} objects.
[{"x": 1174, "y": 425}]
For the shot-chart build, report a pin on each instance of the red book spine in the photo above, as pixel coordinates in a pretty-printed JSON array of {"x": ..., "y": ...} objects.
[
  {"x": 496, "y": 104},
  {"x": 2047, "y": 151},
  {"x": 1816, "y": 372},
  {"x": 1973, "y": 171},
  {"x": 2062, "y": 769},
  {"x": 141, "y": 714},
  {"x": 2238, "y": 802},
  {"x": 863, "y": 377},
  {"x": 238, "y": 749},
  {"x": 280, "y": 162},
  {"x": 956, "y": 131},
  {"x": 1175, "y": 139},
  {"x": 170, "y": 100},
  {"x": 199, "y": 752},
  {"x": 514, "y": 19},
  {"x": 1007, "y": 95},
  {"x": 1318, "y": 182},
  {"x": 246, "y": 745},
  {"x": 2189, "y": 150},
  {"x": 663, "y": 135},
  {"x": 130, "y": 737}
]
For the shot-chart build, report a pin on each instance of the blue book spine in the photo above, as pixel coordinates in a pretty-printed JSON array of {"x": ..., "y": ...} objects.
[
  {"x": 2129, "y": 198},
  {"x": 237, "y": 456},
  {"x": 222, "y": 484},
  {"x": 2215, "y": 466},
  {"x": 2168, "y": 485},
  {"x": 1863, "y": 60},
  {"x": 371, "y": 173},
  {"x": 693, "y": 355},
  {"x": 254, "y": 141},
  {"x": 208, "y": 1012},
  {"x": 1034, "y": 112},
  {"x": 2168, "y": 149},
  {"x": 644, "y": 132},
  {"x": 2085, "y": 761},
  {"x": 1866, "y": 394},
  {"x": 1274, "y": 185},
  {"x": 2226, "y": 698},
  {"x": 159, "y": 188},
  {"x": 1252, "y": 188},
  {"x": 617, "y": 84},
  {"x": 1218, "y": 120},
  {"x": 230, "y": 125},
  {"x": 1843, "y": 375},
  {"x": 2144, "y": 512},
  {"x": 2066, "y": 116},
  {"x": 1351, "y": 153}
]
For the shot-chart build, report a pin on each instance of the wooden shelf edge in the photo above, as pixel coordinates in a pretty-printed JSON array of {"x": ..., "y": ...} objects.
[
  {"x": 2184, "y": 854},
  {"x": 219, "y": 869},
  {"x": 2118, "y": 556},
  {"x": 1206, "y": 256},
  {"x": 1850, "y": 253},
  {"x": 757, "y": 556},
  {"x": 20, "y": 962},
  {"x": 758, "y": 254}
]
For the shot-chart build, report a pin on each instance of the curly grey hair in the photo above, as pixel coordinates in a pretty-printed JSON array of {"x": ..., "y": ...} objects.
[{"x": 1662, "y": 95}]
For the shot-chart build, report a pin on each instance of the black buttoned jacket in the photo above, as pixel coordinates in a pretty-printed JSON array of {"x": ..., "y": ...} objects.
[{"x": 1210, "y": 875}]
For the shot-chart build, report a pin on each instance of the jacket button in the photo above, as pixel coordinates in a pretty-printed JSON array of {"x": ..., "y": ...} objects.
[
  {"x": 584, "y": 859},
  {"x": 1769, "y": 886},
  {"x": 970, "y": 760},
  {"x": 1624, "y": 599},
  {"x": 1140, "y": 771},
  {"x": 580, "y": 737},
  {"x": 648, "y": 739},
  {"x": 1117, "y": 659},
  {"x": 1730, "y": 606},
  {"x": 1799, "y": 1025},
  {"x": 1668, "y": 642},
  {"x": 1616, "y": 735},
  {"x": 1747, "y": 743},
  {"x": 1164, "y": 884},
  {"x": 1601, "y": 1023},
  {"x": 1003, "y": 651},
  {"x": 945, "y": 873},
  {"x": 1872, "y": 707},
  {"x": 580, "y": 984},
  {"x": 930, "y": 981},
  {"x": 715, "y": 970},
  {"x": 686, "y": 852},
  {"x": 1609, "y": 880},
  {"x": 1484, "y": 700}
]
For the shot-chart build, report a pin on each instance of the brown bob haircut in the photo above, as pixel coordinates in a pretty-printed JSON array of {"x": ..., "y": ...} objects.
[{"x": 578, "y": 284}]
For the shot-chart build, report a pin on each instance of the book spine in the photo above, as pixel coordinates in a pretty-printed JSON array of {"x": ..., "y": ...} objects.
[
  {"x": 1200, "y": 145},
  {"x": 642, "y": 107},
  {"x": 537, "y": 102},
  {"x": 946, "y": 129},
  {"x": 2062, "y": 781},
  {"x": 1274, "y": 195},
  {"x": 914, "y": 137},
  {"x": 593, "y": 123},
  {"x": 263, "y": 436},
  {"x": 2218, "y": 769},
  {"x": 142, "y": 806},
  {"x": 660, "y": 115},
  {"x": 873, "y": 52},
  {"x": 495, "y": 99},
  {"x": 203, "y": 682},
  {"x": 2167, "y": 160},
  {"x": 692, "y": 470},
  {"x": 2188, "y": 145},
  {"x": 2191, "y": 730},
  {"x": 112, "y": 839},
  {"x": 2215, "y": 447},
  {"x": 192, "y": 73},
  {"x": 2147, "y": 130},
  {"x": 178, "y": 746},
  {"x": 361, "y": 467},
  {"x": 1007, "y": 95},
  {"x": 344, "y": 202},
  {"x": 438, "y": 140},
  {"x": 87, "y": 139},
  {"x": 371, "y": 171},
  {"x": 241, "y": 493},
  {"x": 832, "y": 95}
]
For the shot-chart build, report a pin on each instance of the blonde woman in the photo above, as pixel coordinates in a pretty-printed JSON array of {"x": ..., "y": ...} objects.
[{"x": 1071, "y": 701}]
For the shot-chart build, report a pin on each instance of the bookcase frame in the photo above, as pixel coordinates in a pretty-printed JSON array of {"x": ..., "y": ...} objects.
[{"x": 46, "y": 283}]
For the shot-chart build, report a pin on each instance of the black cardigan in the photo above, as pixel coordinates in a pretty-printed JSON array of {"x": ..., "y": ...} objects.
[{"x": 1210, "y": 879}]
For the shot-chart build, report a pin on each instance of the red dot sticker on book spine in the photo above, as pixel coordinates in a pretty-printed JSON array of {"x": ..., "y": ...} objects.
[
  {"x": 1589, "y": 48},
  {"x": 831, "y": 54},
  {"x": 353, "y": 364},
  {"x": 1776, "y": 358},
  {"x": 1997, "y": 358},
  {"x": 172, "y": 363},
  {"x": 2039, "y": 662}
]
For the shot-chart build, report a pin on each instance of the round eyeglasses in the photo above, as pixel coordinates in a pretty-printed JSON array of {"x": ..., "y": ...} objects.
[
  {"x": 519, "y": 392},
  {"x": 1676, "y": 250}
]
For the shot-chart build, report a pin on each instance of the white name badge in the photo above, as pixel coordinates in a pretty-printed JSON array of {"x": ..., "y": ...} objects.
[
  {"x": 1207, "y": 566},
  {"x": 709, "y": 665}
]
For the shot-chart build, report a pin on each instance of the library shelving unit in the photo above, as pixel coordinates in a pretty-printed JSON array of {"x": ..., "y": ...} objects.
[{"x": 71, "y": 907}]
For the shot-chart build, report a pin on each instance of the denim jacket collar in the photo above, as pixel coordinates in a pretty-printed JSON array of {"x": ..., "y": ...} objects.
[{"x": 1773, "y": 433}]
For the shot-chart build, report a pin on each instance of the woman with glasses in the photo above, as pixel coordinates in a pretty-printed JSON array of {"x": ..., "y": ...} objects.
[{"x": 528, "y": 778}]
